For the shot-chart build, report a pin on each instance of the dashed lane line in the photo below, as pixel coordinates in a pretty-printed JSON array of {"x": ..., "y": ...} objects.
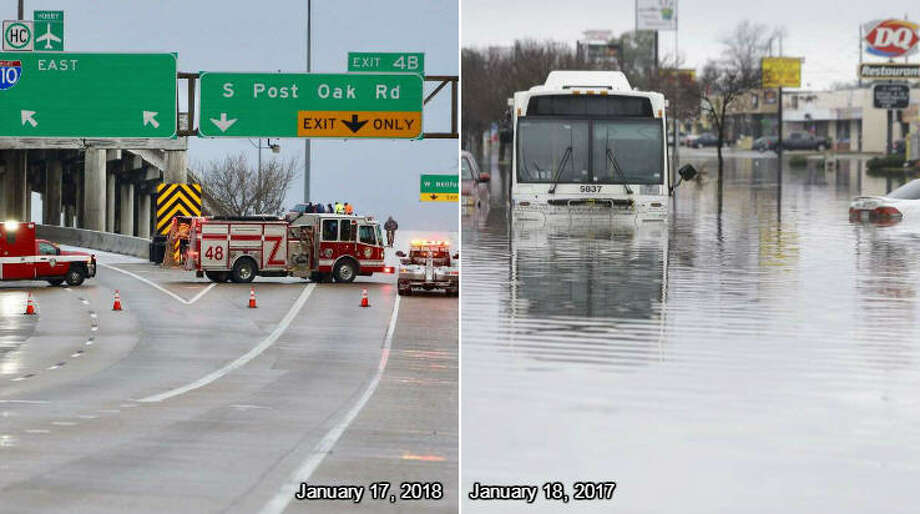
[
  {"x": 243, "y": 359},
  {"x": 284, "y": 496},
  {"x": 159, "y": 287}
]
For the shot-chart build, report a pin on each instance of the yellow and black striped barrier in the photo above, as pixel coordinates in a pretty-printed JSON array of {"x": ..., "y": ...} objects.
[{"x": 176, "y": 200}]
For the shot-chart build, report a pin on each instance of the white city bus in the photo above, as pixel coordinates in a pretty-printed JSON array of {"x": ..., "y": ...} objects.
[{"x": 586, "y": 143}]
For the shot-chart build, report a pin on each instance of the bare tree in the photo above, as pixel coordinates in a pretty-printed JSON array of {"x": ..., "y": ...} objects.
[
  {"x": 235, "y": 186},
  {"x": 492, "y": 75},
  {"x": 724, "y": 81}
]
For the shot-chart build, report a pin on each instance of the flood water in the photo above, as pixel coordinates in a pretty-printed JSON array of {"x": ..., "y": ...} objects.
[{"x": 758, "y": 354}]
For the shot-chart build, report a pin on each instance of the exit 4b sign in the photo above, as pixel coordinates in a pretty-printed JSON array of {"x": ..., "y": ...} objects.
[
  {"x": 387, "y": 62},
  {"x": 439, "y": 188}
]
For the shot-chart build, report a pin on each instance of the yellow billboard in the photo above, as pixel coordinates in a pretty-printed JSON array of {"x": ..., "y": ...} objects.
[{"x": 781, "y": 71}]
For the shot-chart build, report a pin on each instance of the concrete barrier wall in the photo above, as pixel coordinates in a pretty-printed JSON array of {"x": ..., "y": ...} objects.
[{"x": 105, "y": 241}]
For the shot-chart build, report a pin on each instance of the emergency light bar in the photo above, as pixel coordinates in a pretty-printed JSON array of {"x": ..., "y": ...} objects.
[{"x": 418, "y": 242}]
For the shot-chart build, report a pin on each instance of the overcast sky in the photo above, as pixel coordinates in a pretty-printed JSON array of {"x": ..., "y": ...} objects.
[
  {"x": 379, "y": 177},
  {"x": 824, "y": 32}
]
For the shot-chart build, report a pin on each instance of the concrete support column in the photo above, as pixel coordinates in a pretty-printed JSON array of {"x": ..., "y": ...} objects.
[
  {"x": 54, "y": 174},
  {"x": 69, "y": 215},
  {"x": 126, "y": 216},
  {"x": 94, "y": 201},
  {"x": 15, "y": 189},
  {"x": 176, "y": 167},
  {"x": 110, "y": 203},
  {"x": 143, "y": 215}
]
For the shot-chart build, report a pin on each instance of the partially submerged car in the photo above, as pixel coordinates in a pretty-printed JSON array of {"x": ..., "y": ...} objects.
[
  {"x": 429, "y": 266},
  {"x": 888, "y": 209}
]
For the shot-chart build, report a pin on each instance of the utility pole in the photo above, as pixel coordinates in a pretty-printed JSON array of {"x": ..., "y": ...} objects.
[
  {"x": 306, "y": 151},
  {"x": 259, "y": 179}
]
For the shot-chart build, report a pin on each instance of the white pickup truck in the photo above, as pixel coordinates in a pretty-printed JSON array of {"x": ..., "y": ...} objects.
[{"x": 429, "y": 265}]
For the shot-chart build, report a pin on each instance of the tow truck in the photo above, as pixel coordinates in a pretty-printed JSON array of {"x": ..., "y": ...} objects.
[
  {"x": 25, "y": 257},
  {"x": 321, "y": 247},
  {"x": 428, "y": 266}
]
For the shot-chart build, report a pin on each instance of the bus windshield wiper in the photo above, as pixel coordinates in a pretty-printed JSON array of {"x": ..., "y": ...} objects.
[
  {"x": 618, "y": 170},
  {"x": 558, "y": 173}
]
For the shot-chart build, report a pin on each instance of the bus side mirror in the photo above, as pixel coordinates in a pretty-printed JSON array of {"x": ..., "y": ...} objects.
[
  {"x": 485, "y": 176},
  {"x": 400, "y": 253},
  {"x": 456, "y": 256},
  {"x": 687, "y": 172}
]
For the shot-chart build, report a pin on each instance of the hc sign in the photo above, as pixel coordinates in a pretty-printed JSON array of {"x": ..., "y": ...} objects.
[{"x": 17, "y": 35}]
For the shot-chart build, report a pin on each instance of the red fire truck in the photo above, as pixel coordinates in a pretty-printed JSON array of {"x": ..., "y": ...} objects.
[
  {"x": 315, "y": 246},
  {"x": 23, "y": 257}
]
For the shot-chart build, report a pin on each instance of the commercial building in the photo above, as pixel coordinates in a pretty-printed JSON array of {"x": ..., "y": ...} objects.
[{"x": 846, "y": 116}]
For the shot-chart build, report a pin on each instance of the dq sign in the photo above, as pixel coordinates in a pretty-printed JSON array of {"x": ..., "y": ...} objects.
[{"x": 891, "y": 38}]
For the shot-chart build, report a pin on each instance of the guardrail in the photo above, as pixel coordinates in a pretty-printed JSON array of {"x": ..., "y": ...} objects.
[{"x": 105, "y": 241}]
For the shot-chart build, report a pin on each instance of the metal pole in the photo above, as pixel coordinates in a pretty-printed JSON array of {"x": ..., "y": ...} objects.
[
  {"x": 859, "y": 42},
  {"x": 656, "y": 52},
  {"x": 21, "y": 11},
  {"x": 306, "y": 144},
  {"x": 259, "y": 180},
  {"x": 888, "y": 148},
  {"x": 779, "y": 142}
]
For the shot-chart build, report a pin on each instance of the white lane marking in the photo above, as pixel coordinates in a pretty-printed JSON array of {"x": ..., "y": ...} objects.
[
  {"x": 87, "y": 416},
  {"x": 40, "y": 402},
  {"x": 63, "y": 423},
  {"x": 159, "y": 287},
  {"x": 37, "y": 431},
  {"x": 283, "y": 498},
  {"x": 243, "y": 359}
]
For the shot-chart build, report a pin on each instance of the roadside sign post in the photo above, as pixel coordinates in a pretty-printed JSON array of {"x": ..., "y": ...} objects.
[
  {"x": 314, "y": 105},
  {"x": 439, "y": 188},
  {"x": 387, "y": 62},
  {"x": 49, "y": 27},
  {"x": 780, "y": 72},
  {"x": 87, "y": 95},
  {"x": 889, "y": 97}
]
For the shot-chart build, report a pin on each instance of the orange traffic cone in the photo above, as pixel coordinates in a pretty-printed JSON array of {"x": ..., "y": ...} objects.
[
  {"x": 30, "y": 307},
  {"x": 116, "y": 306},
  {"x": 364, "y": 302},
  {"x": 252, "y": 298}
]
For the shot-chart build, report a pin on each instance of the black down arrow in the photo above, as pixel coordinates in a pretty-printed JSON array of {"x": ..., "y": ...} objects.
[{"x": 354, "y": 125}]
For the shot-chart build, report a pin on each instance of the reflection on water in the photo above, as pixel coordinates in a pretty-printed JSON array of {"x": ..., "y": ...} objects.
[{"x": 758, "y": 347}]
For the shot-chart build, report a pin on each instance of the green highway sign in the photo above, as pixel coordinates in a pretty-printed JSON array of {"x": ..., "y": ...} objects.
[
  {"x": 87, "y": 95},
  {"x": 439, "y": 188},
  {"x": 387, "y": 62},
  {"x": 342, "y": 105},
  {"x": 49, "y": 31}
]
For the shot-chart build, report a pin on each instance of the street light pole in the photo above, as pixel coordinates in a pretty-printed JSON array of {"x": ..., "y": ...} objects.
[
  {"x": 306, "y": 152},
  {"x": 259, "y": 177},
  {"x": 21, "y": 10}
]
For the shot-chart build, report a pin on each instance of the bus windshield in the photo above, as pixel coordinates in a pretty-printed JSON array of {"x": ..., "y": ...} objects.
[{"x": 617, "y": 151}]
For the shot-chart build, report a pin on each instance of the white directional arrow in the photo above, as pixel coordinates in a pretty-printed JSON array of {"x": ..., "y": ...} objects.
[
  {"x": 150, "y": 118},
  {"x": 223, "y": 123},
  {"x": 27, "y": 118}
]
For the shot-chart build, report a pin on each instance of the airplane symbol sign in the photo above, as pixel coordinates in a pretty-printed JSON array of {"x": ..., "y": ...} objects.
[{"x": 49, "y": 30}]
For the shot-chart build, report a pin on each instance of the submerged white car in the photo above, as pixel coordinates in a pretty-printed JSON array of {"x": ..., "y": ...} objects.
[{"x": 888, "y": 209}]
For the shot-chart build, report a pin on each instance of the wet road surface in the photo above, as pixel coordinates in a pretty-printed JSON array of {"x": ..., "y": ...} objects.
[
  {"x": 188, "y": 401},
  {"x": 756, "y": 354}
]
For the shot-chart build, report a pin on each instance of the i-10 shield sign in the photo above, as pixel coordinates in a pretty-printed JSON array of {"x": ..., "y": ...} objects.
[{"x": 10, "y": 71}]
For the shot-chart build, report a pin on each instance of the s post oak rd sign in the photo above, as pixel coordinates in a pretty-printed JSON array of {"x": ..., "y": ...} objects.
[{"x": 340, "y": 105}]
